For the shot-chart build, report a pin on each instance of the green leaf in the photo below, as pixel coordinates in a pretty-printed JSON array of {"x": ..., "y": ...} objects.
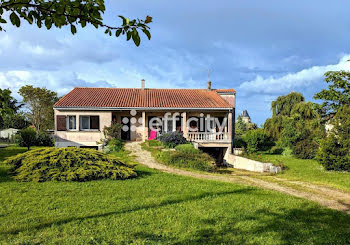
[
  {"x": 3, "y": 21},
  {"x": 15, "y": 19},
  {"x": 123, "y": 18},
  {"x": 73, "y": 29},
  {"x": 48, "y": 23},
  {"x": 136, "y": 37},
  {"x": 83, "y": 23},
  {"x": 29, "y": 18},
  {"x": 148, "y": 34},
  {"x": 118, "y": 32},
  {"x": 128, "y": 35}
]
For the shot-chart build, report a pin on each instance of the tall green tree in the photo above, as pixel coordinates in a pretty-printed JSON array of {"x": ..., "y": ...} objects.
[
  {"x": 240, "y": 127},
  {"x": 73, "y": 13},
  {"x": 293, "y": 121},
  {"x": 9, "y": 107},
  {"x": 281, "y": 108},
  {"x": 338, "y": 92},
  {"x": 39, "y": 102},
  {"x": 283, "y": 105},
  {"x": 334, "y": 153}
]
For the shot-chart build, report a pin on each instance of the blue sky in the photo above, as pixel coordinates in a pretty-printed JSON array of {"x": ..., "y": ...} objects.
[{"x": 262, "y": 49}]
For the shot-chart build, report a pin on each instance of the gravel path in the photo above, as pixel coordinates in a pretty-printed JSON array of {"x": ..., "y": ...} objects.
[{"x": 325, "y": 196}]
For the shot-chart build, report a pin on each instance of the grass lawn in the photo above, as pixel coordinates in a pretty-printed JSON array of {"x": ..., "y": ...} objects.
[
  {"x": 160, "y": 208},
  {"x": 309, "y": 170}
]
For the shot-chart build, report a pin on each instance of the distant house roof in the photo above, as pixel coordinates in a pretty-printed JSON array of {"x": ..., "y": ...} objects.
[
  {"x": 144, "y": 98},
  {"x": 245, "y": 114},
  {"x": 230, "y": 90}
]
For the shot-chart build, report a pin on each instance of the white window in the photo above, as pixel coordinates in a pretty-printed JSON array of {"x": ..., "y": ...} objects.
[
  {"x": 168, "y": 125},
  {"x": 85, "y": 122},
  {"x": 89, "y": 122},
  {"x": 71, "y": 123}
]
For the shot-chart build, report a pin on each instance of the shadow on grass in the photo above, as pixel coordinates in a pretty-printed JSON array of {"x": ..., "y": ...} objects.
[
  {"x": 5, "y": 175},
  {"x": 292, "y": 226},
  {"x": 144, "y": 173},
  {"x": 145, "y": 207}
]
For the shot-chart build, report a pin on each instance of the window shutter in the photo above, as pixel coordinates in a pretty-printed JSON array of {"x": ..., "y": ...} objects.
[
  {"x": 94, "y": 122},
  {"x": 61, "y": 123}
]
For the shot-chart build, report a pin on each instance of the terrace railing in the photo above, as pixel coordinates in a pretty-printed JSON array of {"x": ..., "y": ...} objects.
[{"x": 208, "y": 137}]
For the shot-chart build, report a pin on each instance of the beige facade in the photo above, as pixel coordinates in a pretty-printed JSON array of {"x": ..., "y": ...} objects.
[
  {"x": 139, "y": 128},
  {"x": 79, "y": 137}
]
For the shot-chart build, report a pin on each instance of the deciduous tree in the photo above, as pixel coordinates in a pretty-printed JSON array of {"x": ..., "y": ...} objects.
[
  {"x": 338, "y": 92},
  {"x": 283, "y": 105},
  {"x": 39, "y": 102},
  {"x": 334, "y": 153},
  {"x": 9, "y": 107},
  {"x": 73, "y": 13}
]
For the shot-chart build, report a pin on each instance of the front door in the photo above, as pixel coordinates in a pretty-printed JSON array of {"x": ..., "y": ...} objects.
[{"x": 125, "y": 134}]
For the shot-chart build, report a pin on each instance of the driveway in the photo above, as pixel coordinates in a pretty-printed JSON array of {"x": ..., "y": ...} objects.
[{"x": 325, "y": 196}]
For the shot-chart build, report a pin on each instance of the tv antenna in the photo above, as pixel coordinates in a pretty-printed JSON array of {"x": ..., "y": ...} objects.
[{"x": 208, "y": 70}]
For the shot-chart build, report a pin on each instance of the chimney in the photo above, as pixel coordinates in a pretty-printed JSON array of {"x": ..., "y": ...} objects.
[
  {"x": 209, "y": 85},
  {"x": 143, "y": 84}
]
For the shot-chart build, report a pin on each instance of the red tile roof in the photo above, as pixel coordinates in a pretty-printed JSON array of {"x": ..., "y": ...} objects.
[
  {"x": 229, "y": 90},
  {"x": 143, "y": 98}
]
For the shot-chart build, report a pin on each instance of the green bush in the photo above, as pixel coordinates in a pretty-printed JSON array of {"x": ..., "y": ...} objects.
[
  {"x": 26, "y": 137},
  {"x": 276, "y": 150},
  {"x": 256, "y": 140},
  {"x": 44, "y": 139},
  {"x": 113, "y": 145},
  {"x": 239, "y": 143},
  {"x": 113, "y": 131},
  {"x": 287, "y": 152},
  {"x": 332, "y": 155},
  {"x": 29, "y": 137},
  {"x": 187, "y": 148},
  {"x": 334, "y": 152},
  {"x": 201, "y": 161},
  {"x": 305, "y": 149},
  {"x": 172, "y": 139},
  {"x": 67, "y": 164}
]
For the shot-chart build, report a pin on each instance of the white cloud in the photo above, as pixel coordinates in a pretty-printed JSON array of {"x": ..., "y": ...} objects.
[
  {"x": 60, "y": 82},
  {"x": 286, "y": 83}
]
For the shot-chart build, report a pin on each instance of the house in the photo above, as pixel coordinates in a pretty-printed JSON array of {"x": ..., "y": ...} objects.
[
  {"x": 204, "y": 116},
  {"x": 8, "y": 133}
]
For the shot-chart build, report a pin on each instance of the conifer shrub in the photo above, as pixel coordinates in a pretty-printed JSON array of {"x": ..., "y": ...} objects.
[{"x": 67, "y": 164}]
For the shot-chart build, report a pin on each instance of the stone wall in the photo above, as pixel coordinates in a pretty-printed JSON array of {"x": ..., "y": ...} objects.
[{"x": 250, "y": 165}]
